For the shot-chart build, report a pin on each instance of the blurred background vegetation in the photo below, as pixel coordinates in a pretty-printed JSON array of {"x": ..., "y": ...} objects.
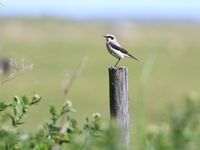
[{"x": 55, "y": 48}]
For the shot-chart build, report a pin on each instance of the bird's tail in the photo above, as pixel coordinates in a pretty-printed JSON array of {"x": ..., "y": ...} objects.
[{"x": 133, "y": 57}]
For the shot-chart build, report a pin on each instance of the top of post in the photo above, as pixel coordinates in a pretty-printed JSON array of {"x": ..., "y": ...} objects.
[{"x": 118, "y": 68}]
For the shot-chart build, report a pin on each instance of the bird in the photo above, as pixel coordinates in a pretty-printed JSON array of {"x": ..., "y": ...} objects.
[{"x": 115, "y": 49}]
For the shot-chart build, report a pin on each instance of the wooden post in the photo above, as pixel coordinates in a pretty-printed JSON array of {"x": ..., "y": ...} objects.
[{"x": 119, "y": 109}]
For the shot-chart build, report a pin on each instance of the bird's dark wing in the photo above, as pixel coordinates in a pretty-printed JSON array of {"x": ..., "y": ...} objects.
[
  {"x": 121, "y": 49},
  {"x": 114, "y": 46}
]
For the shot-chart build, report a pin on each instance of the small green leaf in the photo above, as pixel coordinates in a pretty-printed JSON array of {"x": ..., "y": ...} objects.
[
  {"x": 3, "y": 106},
  {"x": 96, "y": 116},
  {"x": 36, "y": 98},
  {"x": 25, "y": 103},
  {"x": 72, "y": 110},
  {"x": 13, "y": 120},
  {"x": 18, "y": 110},
  {"x": 53, "y": 110},
  {"x": 16, "y": 99},
  {"x": 19, "y": 123},
  {"x": 66, "y": 138},
  {"x": 68, "y": 104},
  {"x": 73, "y": 123},
  {"x": 25, "y": 100}
]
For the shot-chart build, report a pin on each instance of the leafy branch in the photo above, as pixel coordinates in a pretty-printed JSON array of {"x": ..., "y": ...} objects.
[{"x": 19, "y": 107}]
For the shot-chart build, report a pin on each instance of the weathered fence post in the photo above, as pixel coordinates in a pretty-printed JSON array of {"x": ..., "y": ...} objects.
[{"x": 119, "y": 107}]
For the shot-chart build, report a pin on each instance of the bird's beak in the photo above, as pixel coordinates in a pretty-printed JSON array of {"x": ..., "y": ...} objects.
[{"x": 104, "y": 36}]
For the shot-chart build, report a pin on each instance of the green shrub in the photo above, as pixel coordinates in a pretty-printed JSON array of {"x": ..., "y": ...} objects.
[
  {"x": 182, "y": 131},
  {"x": 60, "y": 132}
]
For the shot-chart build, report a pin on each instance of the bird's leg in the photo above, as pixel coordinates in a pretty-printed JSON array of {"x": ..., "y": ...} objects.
[{"x": 117, "y": 62}]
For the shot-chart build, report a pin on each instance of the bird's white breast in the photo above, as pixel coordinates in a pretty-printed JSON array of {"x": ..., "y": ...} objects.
[{"x": 114, "y": 52}]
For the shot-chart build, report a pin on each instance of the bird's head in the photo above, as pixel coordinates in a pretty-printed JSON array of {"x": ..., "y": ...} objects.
[{"x": 110, "y": 37}]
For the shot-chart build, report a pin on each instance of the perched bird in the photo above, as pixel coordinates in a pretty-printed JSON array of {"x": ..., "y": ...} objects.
[{"x": 115, "y": 49}]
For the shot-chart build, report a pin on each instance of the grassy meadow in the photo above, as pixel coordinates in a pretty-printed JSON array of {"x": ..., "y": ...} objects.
[{"x": 56, "y": 47}]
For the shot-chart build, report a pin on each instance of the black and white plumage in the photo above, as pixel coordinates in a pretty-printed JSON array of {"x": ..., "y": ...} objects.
[{"x": 115, "y": 49}]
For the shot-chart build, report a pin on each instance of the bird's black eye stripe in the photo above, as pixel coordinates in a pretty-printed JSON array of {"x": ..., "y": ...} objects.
[{"x": 111, "y": 37}]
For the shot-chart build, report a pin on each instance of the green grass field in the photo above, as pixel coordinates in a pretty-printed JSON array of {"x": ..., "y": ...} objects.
[{"x": 56, "y": 47}]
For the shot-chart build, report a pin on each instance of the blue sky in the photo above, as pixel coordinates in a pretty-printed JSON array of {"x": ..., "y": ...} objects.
[{"x": 94, "y": 9}]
